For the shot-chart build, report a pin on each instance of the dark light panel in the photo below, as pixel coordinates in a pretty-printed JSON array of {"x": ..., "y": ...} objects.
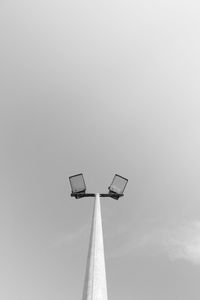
[
  {"x": 77, "y": 183},
  {"x": 118, "y": 184}
]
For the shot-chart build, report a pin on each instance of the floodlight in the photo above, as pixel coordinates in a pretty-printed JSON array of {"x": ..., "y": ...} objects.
[
  {"x": 117, "y": 186},
  {"x": 78, "y": 187},
  {"x": 77, "y": 183}
]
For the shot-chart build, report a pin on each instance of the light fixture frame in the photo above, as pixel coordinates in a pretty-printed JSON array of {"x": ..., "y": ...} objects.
[
  {"x": 81, "y": 192},
  {"x": 114, "y": 178}
]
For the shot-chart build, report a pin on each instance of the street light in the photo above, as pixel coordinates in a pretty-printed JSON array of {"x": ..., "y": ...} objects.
[
  {"x": 116, "y": 188},
  {"x": 95, "y": 286}
]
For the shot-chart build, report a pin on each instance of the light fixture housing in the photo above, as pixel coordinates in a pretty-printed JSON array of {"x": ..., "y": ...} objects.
[
  {"x": 78, "y": 185},
  {"x": 117, "y": 186}
]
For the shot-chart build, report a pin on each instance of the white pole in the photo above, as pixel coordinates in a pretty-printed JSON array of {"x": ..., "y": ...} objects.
[{"x": 95, "y": 287}]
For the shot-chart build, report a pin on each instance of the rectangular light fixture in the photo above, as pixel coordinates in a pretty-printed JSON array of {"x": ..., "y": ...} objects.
[
  {"x": 118, "y": 184},
  {"x": 77, "y": 183}
]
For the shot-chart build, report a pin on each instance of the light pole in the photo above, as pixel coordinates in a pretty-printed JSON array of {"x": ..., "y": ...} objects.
[{"x": 95, "y": 286}]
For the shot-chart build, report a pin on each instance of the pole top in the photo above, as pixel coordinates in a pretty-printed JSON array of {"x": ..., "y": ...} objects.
[{"x": 107, "y": 195}]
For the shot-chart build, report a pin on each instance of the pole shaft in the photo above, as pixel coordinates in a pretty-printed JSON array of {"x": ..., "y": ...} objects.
[{"x": 95, "y": 286}]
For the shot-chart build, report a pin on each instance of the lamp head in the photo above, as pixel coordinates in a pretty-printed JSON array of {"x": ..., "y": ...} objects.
[
  {"x": 117, "y": 186},
  {"x": 78, "y": 185}
]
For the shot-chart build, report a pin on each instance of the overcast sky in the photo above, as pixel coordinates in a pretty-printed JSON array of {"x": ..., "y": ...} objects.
[{"x": 100, "y": 87}]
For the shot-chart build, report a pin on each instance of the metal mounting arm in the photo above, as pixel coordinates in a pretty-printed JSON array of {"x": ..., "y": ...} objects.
[{"x": 110, "y": 195}]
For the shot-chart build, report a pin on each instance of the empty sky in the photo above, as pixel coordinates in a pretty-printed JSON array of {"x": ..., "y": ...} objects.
[{"x": 100, "y": 87}]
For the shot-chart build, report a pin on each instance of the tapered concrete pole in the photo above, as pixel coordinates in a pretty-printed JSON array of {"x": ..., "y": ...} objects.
[{"x": 95, "y": 287}]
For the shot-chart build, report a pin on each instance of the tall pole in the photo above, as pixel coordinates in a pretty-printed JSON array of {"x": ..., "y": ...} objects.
[{"x": 95, "y": 287}]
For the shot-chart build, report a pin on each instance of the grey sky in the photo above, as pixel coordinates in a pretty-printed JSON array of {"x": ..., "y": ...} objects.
[{"x": 100, "y": 87}]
